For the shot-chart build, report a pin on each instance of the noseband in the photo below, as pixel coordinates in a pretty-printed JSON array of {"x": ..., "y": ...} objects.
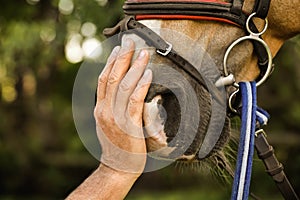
[{"x": 213, "y": 10}]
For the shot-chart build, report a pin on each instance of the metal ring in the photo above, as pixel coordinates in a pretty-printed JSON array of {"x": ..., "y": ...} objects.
[
  {"x": 250, "y": 37},
  {"x": 230, "y": 102},
  {"x": 250, "y": 31}
]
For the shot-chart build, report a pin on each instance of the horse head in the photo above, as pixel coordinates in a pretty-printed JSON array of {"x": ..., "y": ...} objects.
[{"x": 179, "y": 112}]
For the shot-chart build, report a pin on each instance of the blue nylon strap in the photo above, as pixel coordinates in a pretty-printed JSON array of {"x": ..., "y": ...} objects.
[
  {"x": 262, "y": 117},
  {"x": 251, "y": 116},
  {"x": 242, "y": 178}
]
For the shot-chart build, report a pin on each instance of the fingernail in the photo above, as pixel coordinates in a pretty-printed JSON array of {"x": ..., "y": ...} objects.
[
  {"x": 115, "y": 51},
  {"x": 127, "y": 43},
  {"x": 142, "y": 54},
  {"x": 147, "y": 73}
]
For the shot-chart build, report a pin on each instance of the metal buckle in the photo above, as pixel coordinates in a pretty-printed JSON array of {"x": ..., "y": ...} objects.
[
  {"x": 260, "y": 131},
  {"x": 167, "y": 50}
]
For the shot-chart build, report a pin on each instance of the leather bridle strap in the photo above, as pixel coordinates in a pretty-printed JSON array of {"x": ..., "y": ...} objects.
[
  {"x": 237, "y": 6},
  {"x": 163, "y": 48},
  {"x": 262, "y": 8},
  {"x": 222, "y": 10},
  {"x": 213, "y": 8},
  {"x": 130, "y": 25},
  {"x": 273, "y": 167}
]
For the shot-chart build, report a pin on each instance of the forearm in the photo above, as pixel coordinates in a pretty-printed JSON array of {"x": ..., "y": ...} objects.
[{"x": 104, "y": 183}]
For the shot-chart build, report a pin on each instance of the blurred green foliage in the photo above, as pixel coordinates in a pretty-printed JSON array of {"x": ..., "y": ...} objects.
[{"x": 41, "y": 154}]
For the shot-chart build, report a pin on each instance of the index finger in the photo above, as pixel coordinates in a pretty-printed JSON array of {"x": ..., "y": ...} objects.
[
  {"x": 103, "y": 77},
  {"x": 119, "y": 69}
]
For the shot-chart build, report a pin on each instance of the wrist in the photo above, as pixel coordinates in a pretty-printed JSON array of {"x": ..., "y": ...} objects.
[
  {"x": 124, "y": 162},
  {"x": 118, "y": 174}
]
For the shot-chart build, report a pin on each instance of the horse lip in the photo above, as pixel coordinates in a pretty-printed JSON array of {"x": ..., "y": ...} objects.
[
  {"x": 187, "y": 158},
  {"x": 163, "y": 153}
]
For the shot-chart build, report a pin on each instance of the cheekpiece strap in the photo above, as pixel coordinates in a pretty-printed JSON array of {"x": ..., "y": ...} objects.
[{"x": 262, "y": 8}]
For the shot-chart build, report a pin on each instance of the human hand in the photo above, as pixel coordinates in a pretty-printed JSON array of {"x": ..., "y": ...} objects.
[{"x": 118, "y": 113}]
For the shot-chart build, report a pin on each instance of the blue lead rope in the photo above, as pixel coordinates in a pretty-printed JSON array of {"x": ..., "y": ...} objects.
[
  {"x": 250, "y": 115},
  {"x": 242, "y": 177}
]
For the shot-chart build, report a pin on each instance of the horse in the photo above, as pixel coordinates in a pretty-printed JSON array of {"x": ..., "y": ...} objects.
[{"x": 178, "y": 110}]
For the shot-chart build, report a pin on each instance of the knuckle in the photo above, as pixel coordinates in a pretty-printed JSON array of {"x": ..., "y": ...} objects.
[
  {"x": 105, "y": 117},
  {"x": 125, "y": 85},
  {"x": 102, "y": 116},
  {"x": 113, "y": 78},
  {"x": 102, "y": 78},
  {"x": 134, "y": 99},
  {"x": 124, "y": 55}
]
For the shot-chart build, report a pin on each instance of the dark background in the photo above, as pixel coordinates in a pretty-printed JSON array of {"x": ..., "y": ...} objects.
[{"x": 41, "y": 155}]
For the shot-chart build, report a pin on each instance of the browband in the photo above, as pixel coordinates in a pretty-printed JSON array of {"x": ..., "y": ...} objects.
[
  {"x": 223, "y": 10},
  {"x": 210, "y": 8}
]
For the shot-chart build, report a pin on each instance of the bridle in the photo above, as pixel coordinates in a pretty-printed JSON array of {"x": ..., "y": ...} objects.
[{"x": 213, "y": 10}]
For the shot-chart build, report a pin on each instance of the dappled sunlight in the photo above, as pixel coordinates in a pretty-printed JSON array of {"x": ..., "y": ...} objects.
[
  {"x": 66, "y": 7},
  {"x": 101, "y": 2},
  {"x": 32, "y": 2},
  {"x": 77, "y": 49},
  {"x": 9, "y": 93},
  {"x": 91, "y": 48},
  {"x": 88, "y": 29},
  {"x": 73, "y": 50},
  {"x": 82, "y": 43}
]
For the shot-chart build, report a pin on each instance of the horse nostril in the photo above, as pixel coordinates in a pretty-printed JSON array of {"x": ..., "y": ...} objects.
[{"x": 154, "y": 90}]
